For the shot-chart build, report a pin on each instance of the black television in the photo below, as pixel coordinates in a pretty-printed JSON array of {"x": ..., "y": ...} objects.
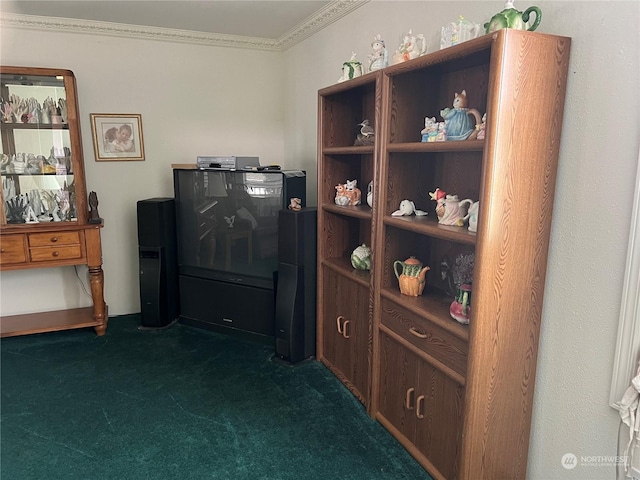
[{"x": 227, "y": 236}]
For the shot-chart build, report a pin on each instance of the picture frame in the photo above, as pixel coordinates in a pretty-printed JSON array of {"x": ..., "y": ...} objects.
[{"x": 117, "y": 137}]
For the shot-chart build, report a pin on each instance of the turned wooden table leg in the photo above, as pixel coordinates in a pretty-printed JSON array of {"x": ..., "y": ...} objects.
[{"x": 96, "y": 276}]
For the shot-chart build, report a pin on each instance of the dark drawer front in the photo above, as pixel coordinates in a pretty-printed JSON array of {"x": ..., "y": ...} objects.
[{"x": 427, "y": 336}]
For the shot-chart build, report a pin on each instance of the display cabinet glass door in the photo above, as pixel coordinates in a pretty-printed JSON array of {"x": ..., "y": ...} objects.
[{"x": 36, "y": 157}]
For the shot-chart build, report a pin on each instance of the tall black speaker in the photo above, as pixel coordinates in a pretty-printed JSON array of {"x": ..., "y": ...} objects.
[
  {"x": 158, "y": 262},
  {"x": 295, "y": 319}
]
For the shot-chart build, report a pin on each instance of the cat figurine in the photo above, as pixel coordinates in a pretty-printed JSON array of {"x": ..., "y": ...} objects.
[
  {"x": 458, "y": 122},
  {"x": 353, "y": 192}
]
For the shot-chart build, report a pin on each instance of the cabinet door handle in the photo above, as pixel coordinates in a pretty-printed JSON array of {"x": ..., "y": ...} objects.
[
  {"x": 344, "y": 329},
  {"x": 54, "y": 239},
  {"x": 417, "y": 333},
  {"x": 419, "y": 405},
  {"x": 339, "y": 323},
  {"x": 408, "y": 400}
]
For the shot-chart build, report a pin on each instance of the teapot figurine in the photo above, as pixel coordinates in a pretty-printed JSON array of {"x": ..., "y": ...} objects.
[
  {"x": 449, "y": 208},
  {"x": 411, "y": 276},
  {"x": 512, "y": 18}
]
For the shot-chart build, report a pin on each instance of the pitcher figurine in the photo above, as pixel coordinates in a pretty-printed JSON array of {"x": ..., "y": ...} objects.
[
  {"x": 461, "y": 121},
  {"x": 512, "y": 18},
  {"x": 460, "y": 308},
  {"x": 411, "y": 277}
]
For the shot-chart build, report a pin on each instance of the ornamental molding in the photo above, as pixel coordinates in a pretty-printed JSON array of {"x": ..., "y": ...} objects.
[{"x": 313, "y": 24}]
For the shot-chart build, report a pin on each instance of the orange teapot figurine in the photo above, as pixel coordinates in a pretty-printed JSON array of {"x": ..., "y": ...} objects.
[{"x": 411, "y": 276}]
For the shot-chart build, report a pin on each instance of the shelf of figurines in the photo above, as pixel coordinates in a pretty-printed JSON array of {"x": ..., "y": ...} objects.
[{"x": 58, "y": 163}]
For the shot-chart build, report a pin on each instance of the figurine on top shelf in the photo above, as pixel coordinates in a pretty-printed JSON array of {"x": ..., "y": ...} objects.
[
  {"x": 512, "y": 18},
  {"x": 379, "y": 58},
  {"x": 366, "y": 135},
  {"x": 458, "y": 124},
  {"x": 411, "y": 46},
  {"x": 459, "y": 31},
  {"x": 351, "y": 69}
]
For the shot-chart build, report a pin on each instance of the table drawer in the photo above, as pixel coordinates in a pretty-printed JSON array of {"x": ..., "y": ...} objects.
[
  {"x": 427, "y": 336},
  {"x": 12, "y": 249},
  {"x": 53, "y": 238},
  {"x": 62, "y": 252}
]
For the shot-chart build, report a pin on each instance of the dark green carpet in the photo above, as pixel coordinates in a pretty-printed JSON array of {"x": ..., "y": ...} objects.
[{"x": 180, "y": 403}]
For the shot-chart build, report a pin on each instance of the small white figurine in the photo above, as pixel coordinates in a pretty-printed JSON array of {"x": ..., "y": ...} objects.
[
  {"x": 353, "y": 192},
  {"x": 378, "y": 59},
  {"x": 351, "y": 69},
  {"x": 407, "y": 207},
  {"x": 411, "y": 46}
]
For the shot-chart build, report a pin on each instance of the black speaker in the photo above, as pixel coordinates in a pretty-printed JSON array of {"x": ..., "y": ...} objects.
[
  {"x": 159, "y": 299},
  {"x": 295, "y": 318}
]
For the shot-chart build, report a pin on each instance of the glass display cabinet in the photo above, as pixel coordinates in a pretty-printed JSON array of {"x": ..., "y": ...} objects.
[{"x": 44, "y": 216}]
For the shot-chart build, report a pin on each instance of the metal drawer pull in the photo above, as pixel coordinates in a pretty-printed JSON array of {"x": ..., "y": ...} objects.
[
  {"x": 344, "y": 329},
  {"x": 407, "y": 402},
  {"x": 54, "y": 239},
  {"x": 417, "y": 333},
  {"x": 338, "y": 322},
  {"x": 419, "y": 405}
]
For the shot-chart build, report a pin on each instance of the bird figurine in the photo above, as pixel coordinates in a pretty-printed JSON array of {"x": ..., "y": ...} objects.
[{"x": 366, "y": 135}]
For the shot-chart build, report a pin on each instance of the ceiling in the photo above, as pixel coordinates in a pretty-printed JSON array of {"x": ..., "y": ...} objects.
[{"x": 263, "y": 19}]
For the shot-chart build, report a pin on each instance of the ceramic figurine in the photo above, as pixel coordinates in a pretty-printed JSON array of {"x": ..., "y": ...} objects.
[
  {"x": 366, "y": 135},
  {"x": 458, "y": 122},
  {"x": 512, "y": 18},
  {"x": 295, "y": 204},
  {"x": 351, "y": 69},
  {"x": 449, "y": 208},
  {"x": 6, "y": 109},
  {"x": 411, "y": 46},
  {"x": 378, "y": 59},
  {"x": 361, "y": 258},
  {"x": 370, "y": 194},
  {"x": 430, "y": 130},
  {"x": 472, "y": 216},
  {"x": 407, "y": 207},
  {"x": 438, "y": 196},
  {"x": 411, "y": 277},
  {"x": 482, "y": 127},
  {"x": 458, "y": 32},
  {"x": 441, "y": 136},
  {"x": 341, "y": 196},
  {"x": 352, "y": 192},
  {"x": 460, "y": 308}
]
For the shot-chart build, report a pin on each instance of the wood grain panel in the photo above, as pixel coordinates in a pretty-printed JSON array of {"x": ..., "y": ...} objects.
[
  {"x": 12, "y": 249},
  {"x": 53, "y": 238}
]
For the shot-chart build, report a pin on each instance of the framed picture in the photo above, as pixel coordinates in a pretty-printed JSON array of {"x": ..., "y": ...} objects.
[{"x": 117, "y": 137}]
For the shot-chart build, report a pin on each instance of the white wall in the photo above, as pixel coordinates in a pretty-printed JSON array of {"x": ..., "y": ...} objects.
[
  {"x": 598, "y": 161},
  {"x": 194, "y": 100},
  {"x": 233, "y": 101}
]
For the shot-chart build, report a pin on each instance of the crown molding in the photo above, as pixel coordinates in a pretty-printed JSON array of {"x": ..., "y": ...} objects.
[{"x": 322, "y": 18}]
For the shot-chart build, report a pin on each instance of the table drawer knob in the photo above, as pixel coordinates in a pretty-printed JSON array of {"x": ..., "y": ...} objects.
[
  {"x": 55, "y": 254},
  {"x": 54, "y": 239}
]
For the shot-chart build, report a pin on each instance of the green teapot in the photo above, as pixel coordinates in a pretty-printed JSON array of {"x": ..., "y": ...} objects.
[{"x": 512, "y": 18}]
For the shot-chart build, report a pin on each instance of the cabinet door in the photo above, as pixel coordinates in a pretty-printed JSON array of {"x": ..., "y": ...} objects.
[
  {"x": 346, "y": 331},
  {"x": 422, "y": 404},
  {"x": 41, "y": 157},
  {"x": 398, "y": 386},
  {"x": 439, "y": 418}
]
